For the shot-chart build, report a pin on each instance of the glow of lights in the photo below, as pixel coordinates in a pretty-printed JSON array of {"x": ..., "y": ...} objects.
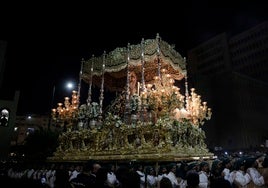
[
  {"x": 70, "y": 85},
  {"x": 165, "y": 98},
  {"x": 67, "y": 111}
]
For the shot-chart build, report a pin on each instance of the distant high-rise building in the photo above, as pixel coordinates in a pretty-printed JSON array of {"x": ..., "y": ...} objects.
[
  {"x": 232, "y": 73},
  {"x": 249, "y": 52}
]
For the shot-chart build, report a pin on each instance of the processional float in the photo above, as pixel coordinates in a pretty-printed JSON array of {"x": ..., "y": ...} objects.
[{"x": 151, "y": 119}]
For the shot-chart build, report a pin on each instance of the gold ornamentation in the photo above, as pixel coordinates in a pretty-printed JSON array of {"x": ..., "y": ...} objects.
[
  {"x": 67, "y": 113},
  {"x": 162, "y": 123}
]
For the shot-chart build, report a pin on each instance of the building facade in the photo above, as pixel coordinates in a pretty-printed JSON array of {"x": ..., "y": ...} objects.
[
  {"x": 25, "y": 125},
  {"x": 231, "y": 72}
]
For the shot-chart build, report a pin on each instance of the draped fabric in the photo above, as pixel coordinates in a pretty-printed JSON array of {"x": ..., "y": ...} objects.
[{"x": 116, "y": 64}]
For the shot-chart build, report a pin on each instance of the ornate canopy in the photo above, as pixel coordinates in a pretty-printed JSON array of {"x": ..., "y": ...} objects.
[{"x": 156, "y": 52}]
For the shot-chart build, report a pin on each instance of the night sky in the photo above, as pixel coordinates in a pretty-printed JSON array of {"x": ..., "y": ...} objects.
[{"x": 45, "y": 46}]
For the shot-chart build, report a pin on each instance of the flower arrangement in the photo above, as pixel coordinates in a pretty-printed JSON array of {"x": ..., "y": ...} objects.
[{"x": 135, "y": 103}]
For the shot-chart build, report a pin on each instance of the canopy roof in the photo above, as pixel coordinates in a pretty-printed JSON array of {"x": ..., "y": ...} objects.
[{"x": 156, "y": 52}]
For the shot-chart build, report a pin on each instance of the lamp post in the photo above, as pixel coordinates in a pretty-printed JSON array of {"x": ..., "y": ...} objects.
[{"x": 69, "y": 86}]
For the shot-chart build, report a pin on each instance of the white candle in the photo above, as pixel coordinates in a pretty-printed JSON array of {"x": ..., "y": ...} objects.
[{"x": 138, "y": 88}]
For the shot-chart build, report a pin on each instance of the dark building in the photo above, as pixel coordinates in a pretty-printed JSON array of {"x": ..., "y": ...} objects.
[
  {"x": 232, "y": 73},
  {"x": 8, "y": 108},
  {"x": 3, "y": 46},
  {"x": 24, "y": 125}
]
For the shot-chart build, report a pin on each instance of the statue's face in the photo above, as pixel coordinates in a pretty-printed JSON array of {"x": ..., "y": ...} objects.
[{"x": 133, "y": 77}]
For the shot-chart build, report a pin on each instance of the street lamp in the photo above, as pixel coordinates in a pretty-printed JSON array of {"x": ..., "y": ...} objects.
[{"x": 69, "y": 85}]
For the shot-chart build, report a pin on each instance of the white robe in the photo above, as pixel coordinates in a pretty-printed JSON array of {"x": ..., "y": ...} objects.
[
  {"x": 241, "y": 179},
  {"x": 256, "y": 177},
  {"x": 171, "y": 176},
  {"x": 203, "y": 179}
]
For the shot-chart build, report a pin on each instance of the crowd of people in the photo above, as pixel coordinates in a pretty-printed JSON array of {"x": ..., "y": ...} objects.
[{"x": 249, "y": 171}]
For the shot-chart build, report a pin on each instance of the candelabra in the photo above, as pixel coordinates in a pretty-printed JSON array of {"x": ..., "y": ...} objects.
[
  {"x": 163, "y": 99},
  {"x": 194, "y": 111},
  {"x": 66, "y": 112}
]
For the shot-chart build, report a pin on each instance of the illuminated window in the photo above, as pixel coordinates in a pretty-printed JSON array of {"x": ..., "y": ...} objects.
[
  {"x": 4, "y": 117},
  {"x": 30, "y": 130}
]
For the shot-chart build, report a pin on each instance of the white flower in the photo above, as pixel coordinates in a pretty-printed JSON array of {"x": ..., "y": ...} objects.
[{"x": 134, "y": 103}]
